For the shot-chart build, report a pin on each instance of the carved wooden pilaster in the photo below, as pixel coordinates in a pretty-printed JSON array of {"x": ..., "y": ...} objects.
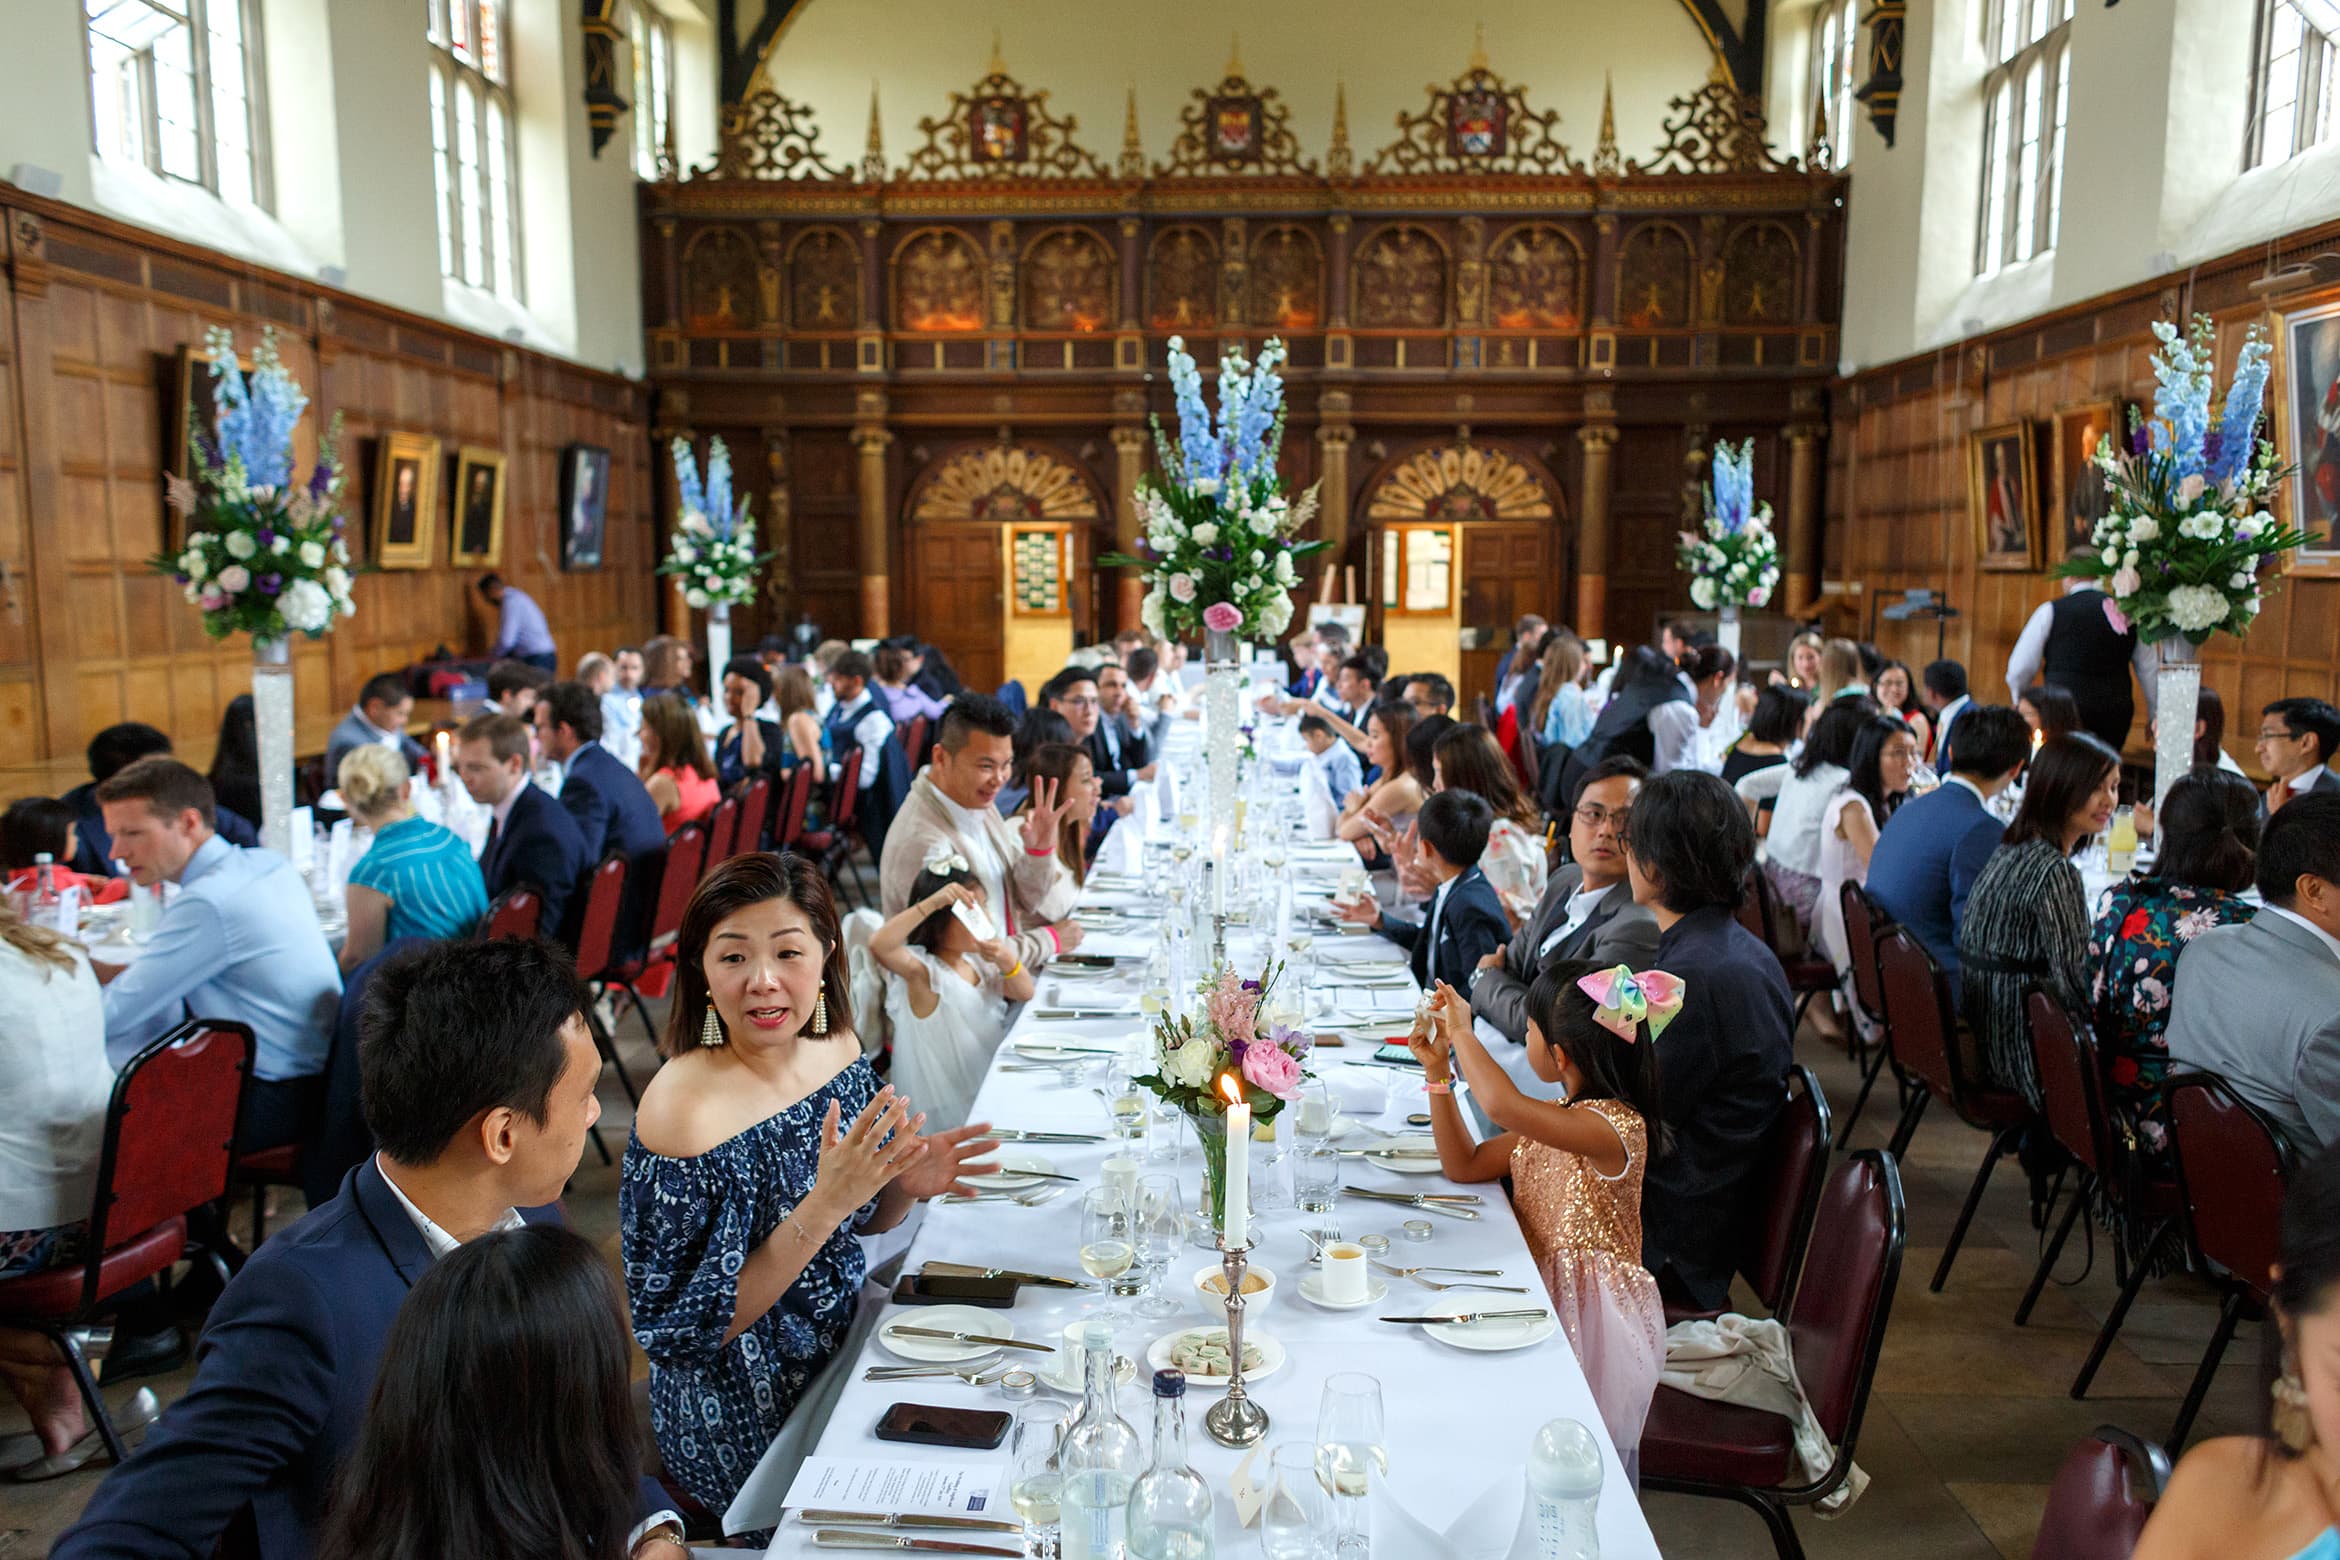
[
  {"x": 870, "y": 439},
  {"x": 1234, "y": 277},
  {"x": 1799, "y": 546},
  {"x": 1129, "y": 463},
  {"x": 1592, "y": 554},
  {"x": 1334, "y": 436}
]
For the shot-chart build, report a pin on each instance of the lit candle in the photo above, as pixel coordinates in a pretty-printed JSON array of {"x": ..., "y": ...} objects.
[
  {"x": 2038, "y": 739},
  {"x": 446, "y": 768},
  {"x": 1238, "y": 1221}
]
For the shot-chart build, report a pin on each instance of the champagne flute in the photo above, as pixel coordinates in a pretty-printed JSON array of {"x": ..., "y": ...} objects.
[
  {"x": 1161, "y": 1235},
  {"x": 1036, "y": 1483},
  {"x": 1348, "y": 1449}
]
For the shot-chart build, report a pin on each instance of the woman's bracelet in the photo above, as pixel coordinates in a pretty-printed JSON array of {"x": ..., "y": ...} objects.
[
  {"x": 1012, "y": 974},
  {"x": 1440, "y": 1086}
]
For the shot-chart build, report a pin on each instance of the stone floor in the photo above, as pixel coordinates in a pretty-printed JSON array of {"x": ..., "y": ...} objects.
[{"x": 1969, "y": 1418}]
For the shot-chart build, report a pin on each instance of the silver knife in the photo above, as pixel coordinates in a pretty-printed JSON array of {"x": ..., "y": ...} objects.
[
  {"x": 909, "y": 1519},
  {"x": 1449, "y": 1209},
  {"x": 1066, "y": 1012},
  {"x": 969, "y": 1270},
  {"x": 1473, "y": 1316},
  {"x": 864, "y": 1538},
  {"x": 984, "y": 1339},
  {"x": 1462, "y": 1199},
  {"x": 1020, "y": 1135}
]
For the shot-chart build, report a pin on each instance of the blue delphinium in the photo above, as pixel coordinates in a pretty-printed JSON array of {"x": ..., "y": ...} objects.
[
  {"x": 2181, "y": 403},
  {"x": 1254, "y": 415},
  {"x": 256, "y": 417},
  {"x": 686, "y": 478},
  {"x": 2238, "y": 424},
  {"x": 719, "y": 513},
  {"x": 1730, "y": 496},
  {"x": 1203, "y": 455}
]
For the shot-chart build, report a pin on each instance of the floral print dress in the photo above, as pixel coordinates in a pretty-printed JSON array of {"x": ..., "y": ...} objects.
[{"x": 2133, "y": 951}]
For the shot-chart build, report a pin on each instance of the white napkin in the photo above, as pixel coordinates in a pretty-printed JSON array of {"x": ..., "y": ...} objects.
[
  {"x": 303, "y": 828},
  {"x": 340, "y": 852},
  {"x": 1496, "y": 1526},
  {"x": 1148, "y": 816},
  {"x": 1166, "y": 781},
  {"x": 1319, "y": 812},
  {"x": 1123, "y": 852}
]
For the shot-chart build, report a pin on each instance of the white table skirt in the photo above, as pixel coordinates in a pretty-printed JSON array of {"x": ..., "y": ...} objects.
[{"x": 1457, "y": 1423}]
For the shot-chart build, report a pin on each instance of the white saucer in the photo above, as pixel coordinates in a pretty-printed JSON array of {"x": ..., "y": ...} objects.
[
  {"x": 1312, "y": 1291},
  {"x": 944, "y": 1318},
  {"x": 1124, "y": 1372},
  {"x": 1014, "y": 1172}
]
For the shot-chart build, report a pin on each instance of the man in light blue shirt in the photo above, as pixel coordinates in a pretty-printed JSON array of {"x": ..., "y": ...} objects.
[
  {"x": 522, "y": 634},
  {"x": 239, "y": 941}
]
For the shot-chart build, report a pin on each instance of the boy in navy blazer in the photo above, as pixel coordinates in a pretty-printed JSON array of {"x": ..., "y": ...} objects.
[
  {"x": 478, "y": 1076},
  {"x": 533, "y": 839},
  {"x": 609, "y": 804},
  {"x": 1464, "y": 920}
]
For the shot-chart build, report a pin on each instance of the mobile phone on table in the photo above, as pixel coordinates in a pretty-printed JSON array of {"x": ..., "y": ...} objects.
[
  {"x": 1395, "y": 1051},
  {"x": 924, "y": 1424},
  {"x": 995, "y": 1294}
]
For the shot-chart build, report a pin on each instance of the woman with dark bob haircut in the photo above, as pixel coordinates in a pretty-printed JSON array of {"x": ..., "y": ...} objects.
[
  {"x": 502, "y": 1420},
  {"x": 1689, "y": 847},
  {"x": 2209, "y": 852},
  {"x": 761, "y": 1148}
]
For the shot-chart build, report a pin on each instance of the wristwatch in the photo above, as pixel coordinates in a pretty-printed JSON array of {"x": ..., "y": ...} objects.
[{"x": 669, "y": 1529}]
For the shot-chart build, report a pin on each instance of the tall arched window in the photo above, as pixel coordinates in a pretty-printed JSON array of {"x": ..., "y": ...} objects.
[
  {"x": 2291, "y": 89},
  {"x": 2025, "y": 96},
  {"x": 652, "y": 37},
  {"x": 472, "y": 139},
  {"x": 1836, "y": 33},
  {"x": 174, "y": 88}
]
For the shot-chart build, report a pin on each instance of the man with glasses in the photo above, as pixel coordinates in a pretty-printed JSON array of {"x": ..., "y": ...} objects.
[
  {"x": 1587, "y": 911},
  {"x": 1072, "y": 693},
  {"x": 1430, "y": 693},
  {"x": 2297, "y": 738}
]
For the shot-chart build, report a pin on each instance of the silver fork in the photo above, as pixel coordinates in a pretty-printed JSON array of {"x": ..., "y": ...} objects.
[
  {"x": 1501, "y": 1289},
  {"x": 1025, "y": 1199},
  {"x": 1409, "y": 1272},
  {"x": 972, "y": 1375}
]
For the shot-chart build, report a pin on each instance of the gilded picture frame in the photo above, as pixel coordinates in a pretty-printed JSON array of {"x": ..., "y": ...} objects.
[
  {"x": 406, "y": 492},
  {"x": 476, "y": 511}
]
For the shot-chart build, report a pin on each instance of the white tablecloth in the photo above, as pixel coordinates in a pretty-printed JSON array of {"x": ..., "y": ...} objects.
[{"x": 1458, "y": 1423}]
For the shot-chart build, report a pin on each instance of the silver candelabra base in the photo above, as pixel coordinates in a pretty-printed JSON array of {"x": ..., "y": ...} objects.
[{"x": 1235, "y": 1420}]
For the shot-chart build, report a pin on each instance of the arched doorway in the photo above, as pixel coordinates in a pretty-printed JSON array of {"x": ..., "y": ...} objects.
[
  {"x": 1461, "y": 539},
  {"x": 1000, "y": 538}
]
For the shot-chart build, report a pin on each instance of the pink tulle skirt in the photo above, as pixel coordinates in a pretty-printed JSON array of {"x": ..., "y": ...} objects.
[{"x": 1617, "y": 1325}]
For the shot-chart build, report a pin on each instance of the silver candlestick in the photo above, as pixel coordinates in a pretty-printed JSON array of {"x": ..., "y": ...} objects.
[{"x": 1235, "y": 1420}]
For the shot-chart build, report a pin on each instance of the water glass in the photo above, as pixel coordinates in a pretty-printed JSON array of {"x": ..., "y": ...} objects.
[
  {"x": 1294, "y": 1517},
  {"x": 1316, "y": 1176},
  {"x": 1348, "y": 1449},
  {"x": 1036, "y": 1480},
  {"x": 1107, "y": 1249},
  {"x": 1316, "y": 1113},
  {"x": 1160, "y": 1228}
]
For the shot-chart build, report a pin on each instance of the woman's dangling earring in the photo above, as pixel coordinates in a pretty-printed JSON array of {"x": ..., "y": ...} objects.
[
  {"x": 711, "y": 1032},
  {"x": 2289, "y": 1417},
  {"x": 820, "y": 1018}
]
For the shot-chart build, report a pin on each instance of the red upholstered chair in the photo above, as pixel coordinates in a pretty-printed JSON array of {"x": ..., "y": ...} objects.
[
  {"x": 648, "y": 974},
  {"x": 1836, "y": 1327},
  {"x": 2097, "y": 1507},
  {"x": 915, "y": 735},
  {"x": 1864, "y": 922},
  {"x": 795, "y": 802},
  {"x": 514, "y": 915},
  {"x": 832, "y": 844},
  {"x": 169, "y": 1138},
  {"x": 722, "y": 832},
  {"x": 1922, "y": 1028},
  {"x": 1808, "y": 976},
  {"x": 2234, "y": 1166},
  {"x": 755, "y": 808},
  {"x": 605, "y": 893},
  {"x": 1795, "y": 1166}
]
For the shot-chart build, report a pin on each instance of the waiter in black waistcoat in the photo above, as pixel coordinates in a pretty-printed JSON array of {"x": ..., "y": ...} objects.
[{"x": 2071, "y": 643}]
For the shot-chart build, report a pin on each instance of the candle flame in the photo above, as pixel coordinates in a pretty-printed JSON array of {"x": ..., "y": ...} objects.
[{"x": 1229, "y": 1088}]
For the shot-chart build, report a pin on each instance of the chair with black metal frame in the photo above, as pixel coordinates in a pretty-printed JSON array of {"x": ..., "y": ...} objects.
[
  {"x": 686, "y": 848},
  {"x": 1836, "y": 1330},
  {"x": 516, "y": 913},
  {"x": 755, "y": 807},
  {"x": 1807, "y": 976},
  {"x": 2233, "y": 1168},
  {"x": 722, "y": 834},
  {"x": 1921, "y": 1026},
  {"x": 1794, "y": 1169},
  {"x": 2102, "y": 1495},
  {"x": 168, "y": 1148},
  {"x": 1864, "y": 921},
  {"x": 832, "y": 844},
  {"x": 605, "y": 897},
  {"x": 2112, "y": 1176},
  {"x": 795, "y": 803}
]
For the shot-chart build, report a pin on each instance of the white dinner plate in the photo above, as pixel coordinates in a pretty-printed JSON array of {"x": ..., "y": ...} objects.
[
  {"x": 1015, "y": 1172},
  {"x": 1412, "y": 1162},
  {"x": 1312, "y": 1291},
  {"x": 944, "y": 1318},
  {"x": 1271, "y": 1355},
  {"x": 1488, "y": 1337}
]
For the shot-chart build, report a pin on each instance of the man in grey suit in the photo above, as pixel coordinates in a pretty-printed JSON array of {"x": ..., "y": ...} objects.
[
  {"x": 1587, "y": 911},
  {"x": 2259, "y": 1004}
]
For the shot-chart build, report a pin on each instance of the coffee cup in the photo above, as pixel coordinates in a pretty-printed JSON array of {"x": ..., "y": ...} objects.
[
  {"x": 1120, "y": 1177},
  {"x": 1344, "y": 1279}
]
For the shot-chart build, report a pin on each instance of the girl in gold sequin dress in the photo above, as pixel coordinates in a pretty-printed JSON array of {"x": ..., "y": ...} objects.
[{"x": 1576, "y": 1167}]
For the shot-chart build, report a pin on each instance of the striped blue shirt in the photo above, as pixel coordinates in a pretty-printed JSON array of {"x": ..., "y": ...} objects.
[{"x": 427, "y": 874}]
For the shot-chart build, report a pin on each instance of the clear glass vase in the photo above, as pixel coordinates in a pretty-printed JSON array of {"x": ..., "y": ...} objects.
[
  {"x": 272, "y": 719},
  {"x": 2177, "y": 691},
  {"x": 1222, "y": 731},
  {"x": 718, "y": 643},
  {"x": 1726, "y": 632}
]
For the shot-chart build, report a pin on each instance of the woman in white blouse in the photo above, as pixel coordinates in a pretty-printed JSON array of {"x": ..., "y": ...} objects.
[
  {"x": 1791, "y": 851},
  {"x": 54, "y": 1076},
  {"x": 1518, "y": 858}
]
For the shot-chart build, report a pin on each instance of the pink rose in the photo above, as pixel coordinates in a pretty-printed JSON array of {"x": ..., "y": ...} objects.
[
  {"x": 1271, "y": 1069},
  {"x": 2126, "y": 582},
  {"x": 1221, "y": 617},
  {"x": 2115, "y": 616}
]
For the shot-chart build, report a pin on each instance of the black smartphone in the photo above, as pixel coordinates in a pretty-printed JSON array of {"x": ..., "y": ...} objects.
[
  {"x": 995, "y": 1294},
  {"x": 923, "y": 1424}
]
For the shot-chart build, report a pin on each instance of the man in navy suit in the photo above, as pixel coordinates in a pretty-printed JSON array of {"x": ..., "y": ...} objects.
[
  {"x": 1933, "y": 848},
  {"x": 533, "y": 839},
  {"x": 612, "y": 810},
  {"x": 478, "y": 1081},
  {"x": 1464, "y": 922}
]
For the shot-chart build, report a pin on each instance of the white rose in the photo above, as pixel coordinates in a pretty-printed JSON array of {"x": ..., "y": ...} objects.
[
  {"x": 312, "y": 555},
  {"x": 337, "y": 581},
  {"x": 340, "y": 551},
  {"x": 2144, "y": 529},
  {"x": 1182, "y": 588},
  {"x": 695, "y": 597},
  {"x": 240, "y": 545},
  {"x": 1205, "y": 534},
  {"x": 1207, "y": 487},
  {"x": 281, "y": 545},
  {"x": 306, "y": 606},
  {"x": 1150, "y": 613},
  {"x": 193, "y": 593},
  {"x": 1258, "y": 558},
  {"x": 1285, "y": 575},
  {"x": 2129, "y": 559},
  {"x": 234, "y": 579},
  {"x": 2112, "y": 557},
  {"x": 2240, "y": 581},
  {"x": 1193, "y": 1063},
  {"x": 193, "y": 564},
  {"x": 1275, "y": 617},
  {"x": 684, "y": 552},
  {"x": 1702, "y": 592}
]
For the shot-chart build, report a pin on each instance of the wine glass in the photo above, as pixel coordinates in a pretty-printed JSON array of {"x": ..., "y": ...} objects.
[
  {"x": 1293, "y": 1516},
  {"x": 1160, "y": 1228},
  {"x": 1036, "y": 1484},
  {"x": 1348, "y": 1449},
  {"x": 1106, "y": 1247}
]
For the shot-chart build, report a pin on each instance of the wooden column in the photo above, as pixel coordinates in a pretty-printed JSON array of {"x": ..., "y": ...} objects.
[
  {"x": 1799, "y": 548},
  {"x": 1333, "y": 438},
  {"x": 1592, "y": 555},
  {"x": 876, "y": 586},
  {"x": 1129, "y": 458}
]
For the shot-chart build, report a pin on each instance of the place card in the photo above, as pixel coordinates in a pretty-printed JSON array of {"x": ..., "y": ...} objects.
[
  {"x": 900, "y": 1488},
  {"x": 1250, "y": 1495}
]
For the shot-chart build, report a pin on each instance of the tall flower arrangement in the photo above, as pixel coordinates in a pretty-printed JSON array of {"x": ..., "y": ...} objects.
[
  {"x": 1219, "y": 527},
  {"x": 2187, "y": 546},
  {"x": 1733, "y": 559},
  {"x": 1229, "y": 1048},
  {"x": 264, "y": 555},
  {"x": 713, "y": 548}
]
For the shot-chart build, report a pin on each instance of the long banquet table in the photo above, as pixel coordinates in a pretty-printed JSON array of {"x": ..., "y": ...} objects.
[{"x": 1457, "y": 1423}]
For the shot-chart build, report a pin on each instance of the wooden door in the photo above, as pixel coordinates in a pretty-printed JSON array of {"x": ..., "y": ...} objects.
[
  {"x": 956, "y": 596},
  {"x": 1508, "y": 570}
]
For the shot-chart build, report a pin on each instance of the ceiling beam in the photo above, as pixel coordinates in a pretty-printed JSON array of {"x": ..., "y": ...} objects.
[
  {"x": 1739, "y": 51},
  {"x": 742, "y": 55}
]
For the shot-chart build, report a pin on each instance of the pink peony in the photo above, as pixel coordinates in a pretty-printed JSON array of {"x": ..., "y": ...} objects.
[
  {"x": 1271, "y": 1069},
  {"x": 1221, "y": 617},
  {"x": 2115, "y": 616}
]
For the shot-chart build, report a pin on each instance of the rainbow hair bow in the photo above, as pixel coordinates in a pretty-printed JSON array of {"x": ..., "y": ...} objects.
[{"x": 1623, "y": 1001}]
